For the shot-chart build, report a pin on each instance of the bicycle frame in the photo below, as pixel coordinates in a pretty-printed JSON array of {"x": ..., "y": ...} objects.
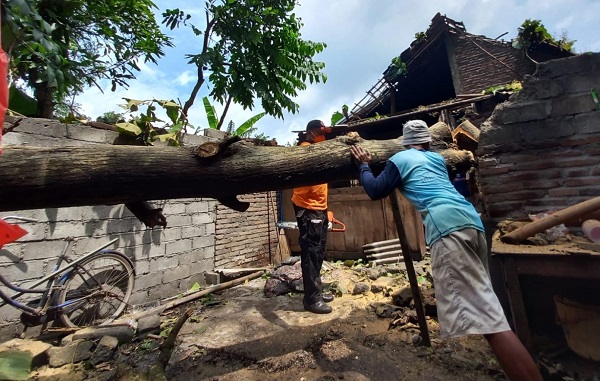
[{"x": 51, "y": 280}]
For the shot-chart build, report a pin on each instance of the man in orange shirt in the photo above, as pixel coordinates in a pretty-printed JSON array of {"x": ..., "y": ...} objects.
[{"x": 310, "y": 206}]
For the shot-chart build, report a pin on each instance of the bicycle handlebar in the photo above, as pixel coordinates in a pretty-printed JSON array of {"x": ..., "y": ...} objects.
[{"x": 19, "y": 218}]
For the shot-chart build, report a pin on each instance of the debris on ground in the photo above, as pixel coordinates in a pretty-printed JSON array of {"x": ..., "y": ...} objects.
[{"x": 239, "y": 333}]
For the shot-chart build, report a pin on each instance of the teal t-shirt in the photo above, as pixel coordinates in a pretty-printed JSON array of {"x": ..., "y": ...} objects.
[{"x": 425, "y": 183}]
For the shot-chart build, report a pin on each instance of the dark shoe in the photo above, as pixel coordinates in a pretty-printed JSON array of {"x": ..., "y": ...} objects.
[
  {"x": 328, "y": 298},
  {"x": 318, "y": 308}
]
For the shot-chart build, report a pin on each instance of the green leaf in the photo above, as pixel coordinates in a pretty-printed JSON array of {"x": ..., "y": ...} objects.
[
  {"x": 248, "y": 124},
  {"x": 129, "y": 129},
  {"x": 195, "y": 287},
  {"x": 15, "y": 365},
  {"x": 166, "y": 137},
  {"x": 336, "y": 117},
  {"x": 210, "y": 114}
]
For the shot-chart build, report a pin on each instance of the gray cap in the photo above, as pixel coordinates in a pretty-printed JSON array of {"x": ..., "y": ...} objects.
[{"x": 415, "y": 132}]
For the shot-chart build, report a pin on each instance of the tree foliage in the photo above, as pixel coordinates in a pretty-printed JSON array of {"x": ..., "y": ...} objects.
[
  {"x": 244, "y": 130},
  {"x": 253, "y": 50},
  {"x": 61, "y": 47},
  {"x": 143, "y": 127},
  {"x": 532, "y": 32}
]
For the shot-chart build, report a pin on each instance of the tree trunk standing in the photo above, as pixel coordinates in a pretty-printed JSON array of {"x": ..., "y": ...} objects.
[
  {"x": 45, "y": 103},
  {"x": 44, "y": 177}
]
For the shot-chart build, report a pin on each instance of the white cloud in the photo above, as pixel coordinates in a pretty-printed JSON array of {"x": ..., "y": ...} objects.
[
  {"x": 185, "y": 78},
  {"x": 362, "y": 38}
]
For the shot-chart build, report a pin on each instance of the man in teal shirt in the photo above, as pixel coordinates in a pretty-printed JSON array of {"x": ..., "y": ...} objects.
[{"x": 465, "y": 299}]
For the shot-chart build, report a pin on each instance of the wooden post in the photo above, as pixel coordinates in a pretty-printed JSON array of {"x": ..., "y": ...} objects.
[
  {"x": 402, "y": 213},
  {"x": 517, "y": 305}
]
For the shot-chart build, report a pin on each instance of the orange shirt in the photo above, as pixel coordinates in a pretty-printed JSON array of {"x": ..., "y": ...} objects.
[{"x": 312, "y": 197}]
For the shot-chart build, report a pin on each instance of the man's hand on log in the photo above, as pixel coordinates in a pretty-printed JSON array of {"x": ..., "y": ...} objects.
[{"x": 360, "y": 154}]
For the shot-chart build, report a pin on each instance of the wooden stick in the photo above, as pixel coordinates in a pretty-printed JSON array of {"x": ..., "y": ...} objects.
[
  {"x": 166, "y": 348},
  {"x": 521, "y": 234},
  {"x": 410, "y": 269},
  {"x": 196, "y": 295}
]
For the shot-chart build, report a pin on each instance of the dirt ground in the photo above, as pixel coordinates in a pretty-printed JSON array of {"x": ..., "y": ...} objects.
[{"x": 240, "y": 334}]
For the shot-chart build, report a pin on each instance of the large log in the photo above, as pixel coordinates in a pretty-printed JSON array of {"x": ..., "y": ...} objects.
[{"x": 43, "y": 177}]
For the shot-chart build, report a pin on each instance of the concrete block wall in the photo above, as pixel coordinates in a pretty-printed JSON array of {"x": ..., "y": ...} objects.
[
  {"x": 540, "y": 151},
  {"x": 483, "y": 63},
  {"x": 167, "y": 261}
]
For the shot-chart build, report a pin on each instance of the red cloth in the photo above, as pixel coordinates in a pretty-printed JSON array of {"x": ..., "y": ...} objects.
[{"x": 10, "y": 232}]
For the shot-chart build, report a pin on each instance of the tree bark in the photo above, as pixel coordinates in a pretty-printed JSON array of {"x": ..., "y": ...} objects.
[{"x": 44, "y": 177}]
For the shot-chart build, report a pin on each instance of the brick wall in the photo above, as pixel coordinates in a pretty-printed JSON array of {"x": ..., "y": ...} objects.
[
  {"x": 482, "y": 63},
  {"x": 247, "y": 239},
  {"x": 167, "y": 261},
  {"x": 540, "y": 151}
]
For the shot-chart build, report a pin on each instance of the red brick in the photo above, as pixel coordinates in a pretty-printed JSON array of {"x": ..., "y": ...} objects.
[
  {"x": 583, "y": 181},
  {"x": 563, "y": 192},
  {"x": 576, "y": 162},
  {"x": 580, "y": 140},
  {"x": 541, "y": 184},
  {"x": 534, "y": 165},
  {"x": 495, "y": 170}
]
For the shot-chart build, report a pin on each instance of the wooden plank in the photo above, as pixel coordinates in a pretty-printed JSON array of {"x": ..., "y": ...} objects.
[
  {"x": 413, "y": 226},
  {"x": 410, "y": 269},
  {"x": 517, "y": 305},
  {"x": 561, "y": 267}
]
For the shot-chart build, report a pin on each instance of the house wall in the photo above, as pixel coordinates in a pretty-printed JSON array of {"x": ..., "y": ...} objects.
[
  {"x": 199, "y": 235},
  {"x": 480, "y": 63},
  {"x": 540, "y": 151}
]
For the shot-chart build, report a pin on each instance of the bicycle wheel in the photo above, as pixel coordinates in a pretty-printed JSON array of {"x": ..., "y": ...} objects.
[{"x": 97, "y": 290}]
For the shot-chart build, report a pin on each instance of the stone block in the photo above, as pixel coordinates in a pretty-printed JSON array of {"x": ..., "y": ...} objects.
[
  {"x": 582, "y": 83},
  {"x": 548, "y": 129},
  {"x": 524, "y": 112},
  {"x": 572, "y": 105},
  {"x": 543, "y": 89},
  {"x": 77, "y": 351},
  {"x": 18, "y": 139},
  {"x": 148, "y": 324},
  {"x": 215, "y": 134},
  {"x": 177, "y": 247},
  {"x": 104, "y": 350},
  {"x": 38, "y": 350},
  {"x": 212, "y": 277},
  {"x": 162, "y": 263},
  {"x": 500, "y": 134},
  {"x": 175, "y": 274},
  {"x": 90, "y": 135},
  {"x": 43, "y": 127},
  {"x": 43, "y": 250},
  {"x": 587, "y": 123},
  {"x": 588, "y": 62}
]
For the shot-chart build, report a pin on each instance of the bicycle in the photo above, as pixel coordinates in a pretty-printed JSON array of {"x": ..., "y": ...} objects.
[{"x": 89, "y": 291}]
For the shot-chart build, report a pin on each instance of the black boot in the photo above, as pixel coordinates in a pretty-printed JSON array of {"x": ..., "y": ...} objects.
[
  {"x": 328, "y": 298},
  {"x": 318, "y": 308}
]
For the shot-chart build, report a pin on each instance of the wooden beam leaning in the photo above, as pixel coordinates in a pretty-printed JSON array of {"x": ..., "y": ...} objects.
[{"x": 397, "y": 200}]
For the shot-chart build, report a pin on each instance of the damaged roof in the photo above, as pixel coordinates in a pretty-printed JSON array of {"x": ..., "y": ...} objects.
[{"x": 444, "y": 63}]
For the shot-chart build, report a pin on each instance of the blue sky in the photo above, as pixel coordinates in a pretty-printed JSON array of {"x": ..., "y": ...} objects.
[{"x": 362, "y": 37}]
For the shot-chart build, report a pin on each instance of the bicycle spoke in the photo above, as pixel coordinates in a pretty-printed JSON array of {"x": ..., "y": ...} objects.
[{"x": 104, "y": 283}]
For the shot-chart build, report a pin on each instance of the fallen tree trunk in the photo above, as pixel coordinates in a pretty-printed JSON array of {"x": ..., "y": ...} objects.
[{"x": 43, "y": 177}]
